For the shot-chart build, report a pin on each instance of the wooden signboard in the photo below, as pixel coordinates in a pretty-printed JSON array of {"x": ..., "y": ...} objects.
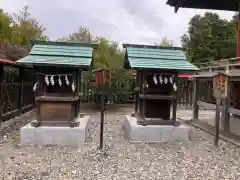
[
  {"x": 220, "y": 92},
  {"x": 220, "y": 86}
]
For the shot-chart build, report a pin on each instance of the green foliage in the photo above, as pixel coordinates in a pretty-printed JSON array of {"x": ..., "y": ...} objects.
[
  {"x": 108, "y": 55},
  {"x": 210, "y": 38},
  {"x": 5, "y": 26},
  {"x": 166, "y": 42},
  {"x": 82, "y": 35},
  {"x": 16, "y": 32},
  {"x": 122, "y": 84}
]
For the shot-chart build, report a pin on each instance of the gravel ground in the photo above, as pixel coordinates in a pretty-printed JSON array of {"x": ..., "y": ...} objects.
[{"x": 121, "y": 160}]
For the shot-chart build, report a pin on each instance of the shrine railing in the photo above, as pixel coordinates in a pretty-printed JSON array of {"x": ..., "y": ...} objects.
[
  {"x": 223, "y": 64},
  {"x": 16, "y": 95}
]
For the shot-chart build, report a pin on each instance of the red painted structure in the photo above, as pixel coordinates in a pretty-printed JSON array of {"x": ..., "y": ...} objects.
[
  {"x": 185, "y": 75},
  {"x": 7, "y": 61}
]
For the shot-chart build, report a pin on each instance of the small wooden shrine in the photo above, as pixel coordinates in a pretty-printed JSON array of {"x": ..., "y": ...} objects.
[
  {"x": 156, "y": 81},
  {"x": 58, "y": 67}
]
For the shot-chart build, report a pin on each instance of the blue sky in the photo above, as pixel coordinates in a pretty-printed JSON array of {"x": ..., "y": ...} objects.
[{"x": 126, "y": 21}]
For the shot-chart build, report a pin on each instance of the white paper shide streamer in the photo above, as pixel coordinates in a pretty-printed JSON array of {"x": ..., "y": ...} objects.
[
  {"x": 52, "y": 80},
  {"x": 145, "y": 85},
  {"x": 165, "y": 80},
  {"x": 155, "y": 79},
  {"x": 171, "y": 79},
  {"x": 35, "y": 86},
  {"x": 47, "y": 80},
  {"x": 59, "y": 81},
  {"x": 175, "y": 87},
  {"x": 73, "y": 87},
  {"x": 160, "y": 79},
  {"x": 67, "y": 81}
]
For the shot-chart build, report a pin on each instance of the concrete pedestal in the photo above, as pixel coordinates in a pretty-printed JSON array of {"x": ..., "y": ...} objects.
[
  {"x": 154, "y": 133},
  {"x": 46, "y": 135}
]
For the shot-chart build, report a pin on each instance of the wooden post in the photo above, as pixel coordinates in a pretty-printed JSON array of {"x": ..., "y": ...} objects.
[
  {"x": 225, "y": 114},
  {"x": 238, "y": 37},
  {"x": 144, "y": 92},
  {"x": 195, "y": 99},
  {"x": 1, "y": 91},
  {"x": 137, "y": 89},
  {"x": 187, "y": 93},
  {"x": 217, "y": 119},
  {"x": 79, "y": 89},
  {"x": 74, "y": 80},
  {"x": 174, "y": 103},
  {"x": 21, "y": 78},
  {"x": 102, "y": 120}
]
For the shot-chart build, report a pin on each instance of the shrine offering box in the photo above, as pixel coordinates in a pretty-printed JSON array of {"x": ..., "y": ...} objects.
[{"x": 57, "y": 111}]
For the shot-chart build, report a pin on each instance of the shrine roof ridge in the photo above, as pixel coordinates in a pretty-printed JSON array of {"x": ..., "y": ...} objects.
[
  {"x": 152, "y": 47},
  {"x": 62, "y": 43}
]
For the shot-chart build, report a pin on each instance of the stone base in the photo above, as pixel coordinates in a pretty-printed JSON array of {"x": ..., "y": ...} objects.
[
  {"x": 45, "y": 135},
  {"x": 154, "y": 133}
]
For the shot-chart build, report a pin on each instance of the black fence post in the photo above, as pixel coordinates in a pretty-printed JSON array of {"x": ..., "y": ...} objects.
[
  {"x": 20, "y": 90},
  {"x": 1, "y": 90}
]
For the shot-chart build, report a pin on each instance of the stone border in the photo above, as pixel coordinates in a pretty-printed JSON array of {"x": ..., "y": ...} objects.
[
  {"x": 63, "y": 136},
  {"x": 15, "y": 120},
  {"x": 154, "y": 133}
]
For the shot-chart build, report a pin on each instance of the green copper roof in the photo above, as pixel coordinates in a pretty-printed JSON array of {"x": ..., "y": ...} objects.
[
  {"x": 53, "y": 60},
  {"x": 157, "y": 57},
  {"x": 59, "y": 53}
]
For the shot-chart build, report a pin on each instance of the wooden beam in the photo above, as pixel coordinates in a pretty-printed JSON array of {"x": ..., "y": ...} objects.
[
  {"x": 158, "y": 122},
  {"x": 151, "y": 96},
  {"x": 225, "y": 114},
  {"x": 21, "y": 78},
  {"x": 174, "y": 103},
  {"x": 137, "y": 91},
  {"x": 234, "y": 111},
  {"x": 207, "y": 105},
  {"x": 195, "y": 98},
  {"x": 2, "y": 76}
]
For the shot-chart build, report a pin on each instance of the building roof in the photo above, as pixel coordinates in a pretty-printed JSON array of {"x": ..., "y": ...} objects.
[
  {"x": 7, "y": 61},
  {"x": 185, "y": 75},
  {"x": 157, "y": 57},
  {"x": 45, "y": 53},
  {"x": 229, "y": 5}
]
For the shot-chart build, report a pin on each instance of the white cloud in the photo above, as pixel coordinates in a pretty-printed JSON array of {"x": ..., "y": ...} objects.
[{"x": 128, "y": 21}]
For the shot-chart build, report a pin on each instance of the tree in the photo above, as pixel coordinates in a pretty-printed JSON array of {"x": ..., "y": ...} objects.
[
  {"x": 108, "y": 55},
  {"x": 166, "y": 42},
  {"x": 5, "y": 26},
  {"x": 16, "y": 32},
  {"x": 82, "y": 35},
  {"x": 25, "y": 28},
  {"x": 209, "y": 38}
]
